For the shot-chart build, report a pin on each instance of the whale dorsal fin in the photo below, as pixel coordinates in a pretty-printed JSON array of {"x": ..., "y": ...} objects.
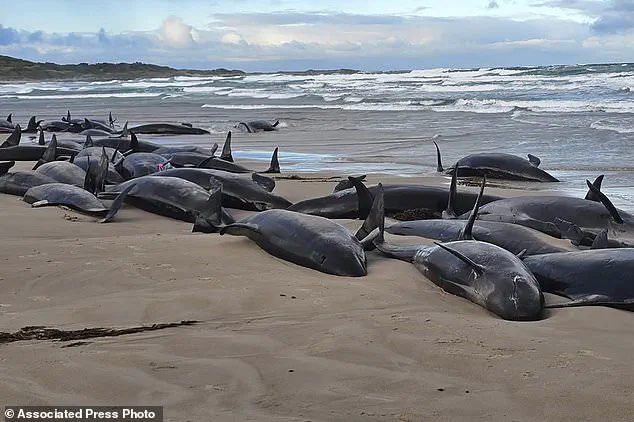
[
  {"x": 32, "y": 125},
  {"x": 277, "y": 122},
  {"x": 214, "y": 148},
  {"x": 597, "y": 184},
  {"x": 88, "y": 142},
  {"x": 13, "y": 139},
  {"x": 9, "y": 117},
  {"x": 477, "y": 267},
  {"x": 601, "y": 241},
  {"x": 49, "y": 154},
  {"x": 606, "y": 202},
  {"x": 275, "y": 164},
  {"x": 439, "y": 167},
  {"x": 522, "y": 254},
  {"x": 134, "y": 143},
  {"x": 450, "y": 212},
  {"x": 89, "y": 182},
  {"x": 534, "y": 160},
  {"x": 226, "y": 149},
  {"x": 466, "y": 234},
  {"x": 40, "y": 140}
]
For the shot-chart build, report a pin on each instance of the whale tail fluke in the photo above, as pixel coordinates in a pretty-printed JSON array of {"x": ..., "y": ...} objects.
[{"x": 597, "y": 184}]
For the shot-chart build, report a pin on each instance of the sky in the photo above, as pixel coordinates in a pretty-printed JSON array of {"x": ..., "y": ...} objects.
[{"x": 271, "y": 35}]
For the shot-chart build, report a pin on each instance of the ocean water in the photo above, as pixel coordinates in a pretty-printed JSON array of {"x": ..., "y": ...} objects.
[{"x": 578, "y": 119}]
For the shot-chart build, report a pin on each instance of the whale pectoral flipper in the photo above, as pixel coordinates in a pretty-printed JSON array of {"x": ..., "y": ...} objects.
[
  {"x": 42, "y": 203},
  {"x": 240, "y": 229},
  {"x": 570, "y": 231},
  {"x": 477, "y": 267},
  {"x": 461, "y": 290},
  {"x": 594, "y": 300},
  {"x": 534, "y": 160},
  {"x": 116, "y": 205},
  {"x": 264, "y": 182}
]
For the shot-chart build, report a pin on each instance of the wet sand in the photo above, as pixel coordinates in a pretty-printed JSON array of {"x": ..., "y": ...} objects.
[{"x": 281, "y": 342}]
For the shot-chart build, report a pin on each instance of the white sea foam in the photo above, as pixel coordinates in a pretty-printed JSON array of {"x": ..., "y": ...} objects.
[{"x": 83, "y": 96}]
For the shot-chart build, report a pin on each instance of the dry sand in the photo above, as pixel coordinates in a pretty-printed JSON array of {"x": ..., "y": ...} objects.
[{"x": 281, "y": 342}]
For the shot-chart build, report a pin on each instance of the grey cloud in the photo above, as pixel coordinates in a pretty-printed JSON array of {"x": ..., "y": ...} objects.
[
  {"x": 609, "y": 17},
  {"x": 8, "y": 35},
  {"x": 378, "y": 42},
  {"x": 493, "y": 4}
]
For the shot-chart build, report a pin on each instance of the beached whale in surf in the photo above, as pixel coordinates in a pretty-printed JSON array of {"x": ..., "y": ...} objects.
[
  {"x": 238, "y": 190},
  {"x": 76, "y": 198},
  {"x": 554, "y": 215},
  {"x": 258, "y": 126},
  {"x": 498, "y": 166},
  {"x": 168, "y": 129},
  {"x": 512, "y": 237},
  {"x": 481, "y": 272},
  {"x": 9, "y": 126},
  {"x": 415, "y": 199},
  {"x": 6, "y": 125},
  {"x": 599, "y": 277},
  {"x": 170, "y": 197}
]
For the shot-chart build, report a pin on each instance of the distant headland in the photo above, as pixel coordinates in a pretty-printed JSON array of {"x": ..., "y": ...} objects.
[{"x": 24, "y": 70}]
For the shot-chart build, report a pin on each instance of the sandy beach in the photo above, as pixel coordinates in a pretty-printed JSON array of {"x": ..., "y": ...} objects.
[{"x": 276, "y": 341}]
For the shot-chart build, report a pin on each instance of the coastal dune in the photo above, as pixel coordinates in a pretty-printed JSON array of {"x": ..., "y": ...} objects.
[{"x": 275, "y": 341}]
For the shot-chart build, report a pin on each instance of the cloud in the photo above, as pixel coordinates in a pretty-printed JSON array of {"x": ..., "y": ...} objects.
[
  {"x": 608, "y": 17},
  {"x": 493, "y": 4},
  {"x": 175, "y": 33},
  {"x": 294, "y": 41},
  {"x": 8, "y": 35}
]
